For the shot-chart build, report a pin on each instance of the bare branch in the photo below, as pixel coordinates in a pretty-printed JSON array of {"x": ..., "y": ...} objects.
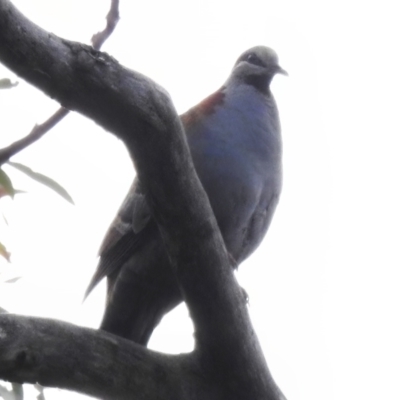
[
  {"x": 38, "y": 131},
  {"x": 99, "y": 38}
]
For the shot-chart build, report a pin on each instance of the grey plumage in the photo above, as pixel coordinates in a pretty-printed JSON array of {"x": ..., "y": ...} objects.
[{"x": 235, "y": 142}]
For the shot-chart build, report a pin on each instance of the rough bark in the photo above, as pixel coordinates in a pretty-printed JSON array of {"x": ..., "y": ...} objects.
[
  {"x": 227, "y": 362},
  {"x": 38, "y": 131},
  {"x": 55, "y": 353}
]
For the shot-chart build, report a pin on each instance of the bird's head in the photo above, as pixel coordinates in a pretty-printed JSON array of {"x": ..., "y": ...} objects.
[{"x": 257, "y": 66}]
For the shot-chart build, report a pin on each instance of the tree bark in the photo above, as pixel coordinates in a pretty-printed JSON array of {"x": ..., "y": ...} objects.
[
  {"x": 228, "y": 362},
  {"x": 56, "y": 353}
]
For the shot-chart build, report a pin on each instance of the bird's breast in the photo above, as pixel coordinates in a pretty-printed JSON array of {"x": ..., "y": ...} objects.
[{"x": 237, "y": 155}]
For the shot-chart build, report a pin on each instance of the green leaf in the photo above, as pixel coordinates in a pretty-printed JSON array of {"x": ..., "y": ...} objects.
[
  {"x": 43, "y": 179},
  {"x": 6, "y": 186},
  {"x": 6, "y": 83},
  {"x": 4, "y": 253}
]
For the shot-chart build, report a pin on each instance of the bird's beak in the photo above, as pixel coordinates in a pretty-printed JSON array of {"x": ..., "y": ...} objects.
[{"x": 280, "y": 70}]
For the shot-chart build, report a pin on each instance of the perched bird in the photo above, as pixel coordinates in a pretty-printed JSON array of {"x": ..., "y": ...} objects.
[{"x": 235, "y": 142}]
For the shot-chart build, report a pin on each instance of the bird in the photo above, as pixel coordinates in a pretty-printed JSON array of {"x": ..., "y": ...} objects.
[{"x": 234, "y": 137}]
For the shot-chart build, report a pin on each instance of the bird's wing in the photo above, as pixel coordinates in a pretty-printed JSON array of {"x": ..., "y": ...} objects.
[
  {"x": 124, "y": 235},
  {"x": 132, "y": 216},
  {"x": 206, "y": 107}
]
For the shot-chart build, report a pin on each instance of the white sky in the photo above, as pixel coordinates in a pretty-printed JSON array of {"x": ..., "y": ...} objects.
[{"x": 323, "y": 287}]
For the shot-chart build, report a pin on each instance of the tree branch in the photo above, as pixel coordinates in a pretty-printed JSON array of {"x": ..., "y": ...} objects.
[
  {"x": 38, "y": 131},
  {"x": 89, "y": 361},
  {"x": 141, "y": 113},
  {"x": 112, "y": 18}
]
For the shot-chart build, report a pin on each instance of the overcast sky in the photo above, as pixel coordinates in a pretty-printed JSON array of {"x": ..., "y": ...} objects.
[{"x": 323, "y": 286}]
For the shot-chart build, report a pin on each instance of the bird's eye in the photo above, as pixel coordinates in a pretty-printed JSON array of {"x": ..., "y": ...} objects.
[{"x": 253, "y": 59}]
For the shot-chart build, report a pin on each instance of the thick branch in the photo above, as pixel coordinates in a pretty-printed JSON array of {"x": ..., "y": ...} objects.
[
  {"x": 141, "y": 113},
  {"x": 55, "y": 353}
]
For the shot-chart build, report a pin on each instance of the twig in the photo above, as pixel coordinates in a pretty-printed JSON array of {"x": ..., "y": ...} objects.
[
  {"x": 112, "y": 18},
  {"x": 38, "y": 131}
]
